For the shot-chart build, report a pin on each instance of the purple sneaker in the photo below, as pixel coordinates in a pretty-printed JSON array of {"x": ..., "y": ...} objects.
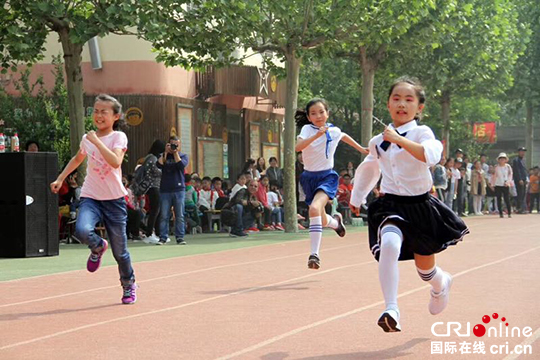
[
  {"x": 130, "y": 294},
  {"x": 94, "y": 260}
]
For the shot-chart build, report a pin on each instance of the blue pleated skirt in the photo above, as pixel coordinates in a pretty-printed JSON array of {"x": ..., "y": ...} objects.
[{"x": 313, "y": 181}]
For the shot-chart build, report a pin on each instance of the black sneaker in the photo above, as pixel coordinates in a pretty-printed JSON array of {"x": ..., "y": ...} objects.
[
  {"x": 238, "y": 234},
  {"x": 161, "y": 242},
  {"x": 389, "y": 321},
  {"x": 181, "y": 242},
  {"x": 340, "y": 230},
  {"x": 314, "y": 262}
]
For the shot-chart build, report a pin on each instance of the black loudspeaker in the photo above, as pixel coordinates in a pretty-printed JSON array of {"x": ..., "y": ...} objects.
[{"x": 28, "y": 208}]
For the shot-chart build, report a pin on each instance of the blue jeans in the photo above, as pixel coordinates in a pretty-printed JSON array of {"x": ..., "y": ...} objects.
[
  {"x": 176, "y": 200},
  {"x": 277, "y": 215},
  {"x": 113, "y": 213},
  {"x": 244, "y": 220}
]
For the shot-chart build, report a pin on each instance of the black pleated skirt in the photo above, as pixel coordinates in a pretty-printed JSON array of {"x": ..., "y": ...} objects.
[{"x": 427, "y": 224}]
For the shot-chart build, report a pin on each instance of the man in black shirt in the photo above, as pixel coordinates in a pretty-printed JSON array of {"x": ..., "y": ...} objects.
[{"x": 521, "y": 178}]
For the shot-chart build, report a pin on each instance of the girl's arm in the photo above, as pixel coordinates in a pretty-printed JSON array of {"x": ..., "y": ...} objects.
[
  {"x": 366, "y": 176},
  {"x": 70, "y": 167},
  {"x": 414, "y": 148},
  {"x": 112, "y": 157},
  {"x": 350, "y": 141},
  {"x": 304, "y": 143},
  {"x": 428, "y": 150}
]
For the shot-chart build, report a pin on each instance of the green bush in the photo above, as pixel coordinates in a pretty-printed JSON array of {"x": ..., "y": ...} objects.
[{"x": 40, "y": 115}]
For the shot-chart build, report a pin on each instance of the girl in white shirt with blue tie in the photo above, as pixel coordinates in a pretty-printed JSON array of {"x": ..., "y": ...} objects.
[
  {"x": 406, "y": 222},
  {"x": 318, "y": 141}
]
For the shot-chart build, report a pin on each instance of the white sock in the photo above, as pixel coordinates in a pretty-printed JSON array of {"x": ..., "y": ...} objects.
[
  {"x": 331, "y": 222},
  {"x": 434, "y": 276},
  {"x": 391, "y": 240},
  {"x": 315, "y": 234}
]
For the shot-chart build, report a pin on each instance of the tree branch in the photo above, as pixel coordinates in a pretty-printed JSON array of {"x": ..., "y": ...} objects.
[
  {"x": 270, "y": 47},
  {"x": 55, "y": 23},
  {"x": 306, "y": 18}
]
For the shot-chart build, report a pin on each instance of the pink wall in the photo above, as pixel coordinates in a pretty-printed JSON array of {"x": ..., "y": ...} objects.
[{"x": 126, "y": 77}]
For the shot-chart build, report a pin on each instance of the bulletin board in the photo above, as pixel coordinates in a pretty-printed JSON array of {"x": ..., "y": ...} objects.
[
  {"x": 254, "y": 141},
  {"x": 210, "y": 157},
  {"x": 184, "y": 120}
]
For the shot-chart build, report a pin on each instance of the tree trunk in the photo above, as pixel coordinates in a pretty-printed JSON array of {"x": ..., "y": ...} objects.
[
  {"x": 529, "y": 136},
  {"x": 368, "y": 66},
  {"x": 291, "y": 104},
  {"x": 445, "y": 106},
  {"x": 72, "y": 63}
]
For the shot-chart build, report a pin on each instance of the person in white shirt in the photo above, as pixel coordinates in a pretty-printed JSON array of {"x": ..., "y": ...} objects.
[
  {"x": 240, "y": 184},
  {"x": 318, "y": 141},
  {"x": 504, "y": 178},
  {"x": 275, "y": 201},
  {"x": 406, "y": 222}
]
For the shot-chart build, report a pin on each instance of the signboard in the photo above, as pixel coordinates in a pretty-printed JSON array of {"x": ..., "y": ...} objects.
[{"x": 485, "y": 132}]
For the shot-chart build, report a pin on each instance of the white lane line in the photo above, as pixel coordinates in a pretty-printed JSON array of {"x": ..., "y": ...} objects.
[
  {"x": 355, "y": 311},
  {"x": 528, "y": 341},
  {"x": 153, "y": 312},
  {"x": 167, "y": 277},
  {"x": 285, "y": 242}
]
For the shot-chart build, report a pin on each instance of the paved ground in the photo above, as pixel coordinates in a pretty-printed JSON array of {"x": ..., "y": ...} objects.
[{"x": 263, "y": 303}]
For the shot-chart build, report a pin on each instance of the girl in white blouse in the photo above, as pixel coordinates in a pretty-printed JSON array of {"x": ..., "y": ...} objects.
[
  {"x": 318, "y": 141},
  {"x": 504, "y": 178},
  {"x": 406, "y": 222}
]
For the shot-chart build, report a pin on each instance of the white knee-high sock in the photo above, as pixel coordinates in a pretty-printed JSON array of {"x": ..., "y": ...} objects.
[
  {"x": 331, "y": 222},
  {"x": 315, "y": 234},
  {"x": 391, "y": 240},
  {"x": 434, "y": 276}
]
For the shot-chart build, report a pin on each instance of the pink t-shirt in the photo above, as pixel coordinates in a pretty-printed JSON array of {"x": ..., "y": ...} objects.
[{"x": 103, "y": 182}]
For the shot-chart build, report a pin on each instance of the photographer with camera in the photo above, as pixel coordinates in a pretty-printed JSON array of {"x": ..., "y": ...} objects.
[{"x": 172, "y": 190}]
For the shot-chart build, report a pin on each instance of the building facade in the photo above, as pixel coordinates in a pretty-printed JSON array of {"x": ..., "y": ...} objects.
[{"x": 222, "y": 116}]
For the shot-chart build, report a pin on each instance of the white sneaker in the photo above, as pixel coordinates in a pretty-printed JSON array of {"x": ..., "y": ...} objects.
[
  {"x": 168, "y": 240},
  {"x": 152, "y": 239},
  {"x": 439, "y": 301},
  {"x": 389, "y": 321}
]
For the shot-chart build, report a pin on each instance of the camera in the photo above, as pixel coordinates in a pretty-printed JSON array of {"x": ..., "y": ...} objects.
[{"x": 174, "y": 146}]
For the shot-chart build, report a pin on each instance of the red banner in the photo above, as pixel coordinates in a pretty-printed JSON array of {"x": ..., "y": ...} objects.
[{"x": 485, "y": 132}]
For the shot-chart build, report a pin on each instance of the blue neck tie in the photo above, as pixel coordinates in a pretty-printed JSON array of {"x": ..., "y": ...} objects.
[
  {"x": 328, "y": 137},
  {"x": 385, "y": 144}
]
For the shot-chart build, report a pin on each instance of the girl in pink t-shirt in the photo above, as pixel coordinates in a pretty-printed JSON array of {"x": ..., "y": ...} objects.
[{"x": 102, "y": 195}]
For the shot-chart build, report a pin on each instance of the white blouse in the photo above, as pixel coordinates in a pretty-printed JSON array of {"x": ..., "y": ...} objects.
[
  {"x": 402, "y": 174},
  {"x": 503, "y": 175},
  {"x": 315, "y": 155}
]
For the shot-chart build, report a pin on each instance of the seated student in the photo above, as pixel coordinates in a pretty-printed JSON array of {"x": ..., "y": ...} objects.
[
  {"x": 240, "y": 184},
  {"x": 207, "y": 200},
  {"x": 247, "y": 209},
  {"x": 262, "y": 196},
  {"x": 217, "y": 184},
  {"x": 275, "y": 201},
  {"x": 191, "y": 215}
]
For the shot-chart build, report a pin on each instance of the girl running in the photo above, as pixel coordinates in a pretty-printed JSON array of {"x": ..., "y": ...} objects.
[
  {"x": 102, "y": 195},
  {"x": 406, "y": 222},
  {"x": 318, "y": 141}
]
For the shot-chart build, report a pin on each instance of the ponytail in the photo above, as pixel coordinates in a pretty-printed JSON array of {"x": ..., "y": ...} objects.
[{"x": 301, "y": 118}]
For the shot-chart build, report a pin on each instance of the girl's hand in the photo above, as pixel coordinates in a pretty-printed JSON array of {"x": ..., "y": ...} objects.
[
  {"x": 322, "y": 130},
  {"x": 55, "y": 186},
  {"x": 92, "y": 137},
  {"x": 363, "y": 150},
  {"x": 391, "y": 135}
]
